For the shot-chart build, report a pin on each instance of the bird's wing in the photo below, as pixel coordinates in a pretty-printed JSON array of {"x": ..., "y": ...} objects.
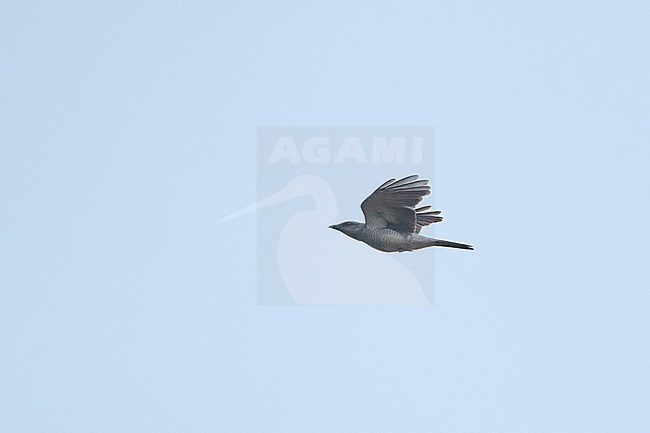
[
  {"x": 392, "y": 205},
  {"x": 424, "y": 217}
]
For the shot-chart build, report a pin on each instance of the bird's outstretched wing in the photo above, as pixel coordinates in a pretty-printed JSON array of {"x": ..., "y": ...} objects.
[{"x": 392, "y": 205}]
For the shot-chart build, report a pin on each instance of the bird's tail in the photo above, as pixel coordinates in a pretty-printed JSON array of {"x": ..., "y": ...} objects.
[{"x": 450, "y": 244}]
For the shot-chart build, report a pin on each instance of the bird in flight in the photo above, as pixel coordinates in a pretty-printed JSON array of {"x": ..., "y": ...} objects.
[{"x": 392, "y": 221}]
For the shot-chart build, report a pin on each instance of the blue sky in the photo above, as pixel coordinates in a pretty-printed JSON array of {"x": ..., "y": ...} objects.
[{"x": 129, "y": 128}]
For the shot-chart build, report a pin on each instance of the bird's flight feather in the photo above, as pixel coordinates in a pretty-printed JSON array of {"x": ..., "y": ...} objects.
[
  {"x": 392, "y": 206},
  {"x": 425, "y": 218}
]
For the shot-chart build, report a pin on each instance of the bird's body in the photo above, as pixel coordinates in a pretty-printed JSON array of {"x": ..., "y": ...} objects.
[
  {"x": 393, "y": 223},
  {"x": 389, "y": 240}
]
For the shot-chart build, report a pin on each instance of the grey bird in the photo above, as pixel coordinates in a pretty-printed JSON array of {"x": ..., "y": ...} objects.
[{"x": 392, "y": 221}]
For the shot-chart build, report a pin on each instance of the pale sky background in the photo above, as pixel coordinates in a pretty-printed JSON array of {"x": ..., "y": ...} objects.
[{"x": 128, "y": 128}]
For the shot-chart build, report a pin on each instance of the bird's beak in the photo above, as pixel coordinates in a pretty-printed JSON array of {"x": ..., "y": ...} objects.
[{"x": 333, "y": 227}]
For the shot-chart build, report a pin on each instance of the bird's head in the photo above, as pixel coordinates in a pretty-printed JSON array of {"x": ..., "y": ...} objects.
[{"x": 350, "y": 228}]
